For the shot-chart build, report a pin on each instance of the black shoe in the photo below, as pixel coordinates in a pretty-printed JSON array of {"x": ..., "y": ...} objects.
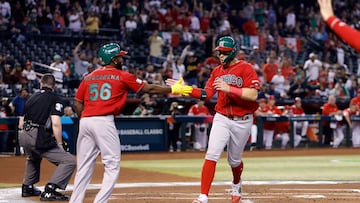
[
  {"x": 29, "y": 190},
  {"x": 51, "y": 195}
]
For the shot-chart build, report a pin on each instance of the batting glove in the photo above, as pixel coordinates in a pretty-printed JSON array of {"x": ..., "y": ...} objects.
[{"x": 179, "y": 88}]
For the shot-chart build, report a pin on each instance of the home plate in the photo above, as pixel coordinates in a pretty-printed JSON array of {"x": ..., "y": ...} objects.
[{"x": 309, "y": 196}]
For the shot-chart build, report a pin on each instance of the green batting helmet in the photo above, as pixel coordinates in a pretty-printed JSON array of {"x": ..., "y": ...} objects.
[
  {"x": 109, "y": 51},
  {"x": 227, "y": 43}
]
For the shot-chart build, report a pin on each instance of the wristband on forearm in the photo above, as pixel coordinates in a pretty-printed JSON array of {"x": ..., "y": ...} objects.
[
  {"x": 198, "y": 93},
  {"x": 236, "y": 91}
]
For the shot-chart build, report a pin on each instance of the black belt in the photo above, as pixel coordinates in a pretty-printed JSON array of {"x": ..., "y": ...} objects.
[
  {"x": 238, "y": 118},
  {"x": 28, "y": 125}
]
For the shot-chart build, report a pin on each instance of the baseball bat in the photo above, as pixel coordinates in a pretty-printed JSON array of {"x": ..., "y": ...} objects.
[
  {"x": 45, "y": 66},
  {"x": 57, "y": 80}
]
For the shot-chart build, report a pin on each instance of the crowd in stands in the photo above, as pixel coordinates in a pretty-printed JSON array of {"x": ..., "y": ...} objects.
[{"x": 285, "y": 72}]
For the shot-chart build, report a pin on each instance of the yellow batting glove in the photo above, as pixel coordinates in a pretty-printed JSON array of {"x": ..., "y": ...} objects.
[{"x": 178, "y": 88}]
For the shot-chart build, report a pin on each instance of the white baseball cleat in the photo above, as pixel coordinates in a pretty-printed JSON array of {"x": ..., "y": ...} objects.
[
  {"x": 236, "y": 192},
  {"x": 201, "y": 199}
]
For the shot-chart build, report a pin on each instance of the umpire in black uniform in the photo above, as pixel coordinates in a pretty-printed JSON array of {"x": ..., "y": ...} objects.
[{"x": 40, "y": 134}]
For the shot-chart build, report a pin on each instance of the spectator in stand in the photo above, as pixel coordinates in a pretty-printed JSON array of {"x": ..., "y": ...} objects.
[
  {"x": 4, "y": 22},
  {"x": 271, "y": 91},
  {"x": 199, "y": 109},
  {"x": 90, "y": 68},
  {"x": 146, "y": 107},
  {"x": 92, "y": 23},
  {"x": 298, "y": 88},
  {"x": 252, "y": 61},
  {"x": 191, "y": 69},
  {"x": 255, "y": 53},
  {"x": 270, "y": 69},
  {"x": 62, "y": 68},
  {"x": 32, "y": 22},
  {"x": 156, "y": 44},
  {"x": 58, "y": 22},
  {"x": 339, "y": 91},
  {"x": 80, "y": 62},
  {"x": 212, "y": 61},
  {"x": 31, "y": 77},
  {"x": 279, "y": 82},
  {"x": 330, "y": 128},
  {"x": 18, "y": 75},
  {"x": 287, "y": 69},
  {"x": 176, "y": 65},
  {"x": 5, "y": 9},
  {"x": 7, "y": 78},
  {"x": 312, "y": 67},
  {"x": 205, "y": 19},
  {"x": 17, "y": 104},
  {"x": 76, "y": 21}
]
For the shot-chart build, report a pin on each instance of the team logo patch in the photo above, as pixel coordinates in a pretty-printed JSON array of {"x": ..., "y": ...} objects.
[
  {"x": 139, "y": 81},
  {"x": 58, "y": 107}
]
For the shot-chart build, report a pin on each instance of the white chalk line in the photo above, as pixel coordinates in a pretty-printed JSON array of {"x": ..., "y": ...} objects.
[{"x": 9, "y": 195}]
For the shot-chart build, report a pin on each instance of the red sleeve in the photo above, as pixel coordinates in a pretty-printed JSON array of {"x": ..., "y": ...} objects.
[
  {"x": 326, "y": 110},
  {"x": 133, "y": 83},
  {"x": 250, "y": 79},
  {"x": 345, "y": 32},
  {"x": 80, "y": 93}
]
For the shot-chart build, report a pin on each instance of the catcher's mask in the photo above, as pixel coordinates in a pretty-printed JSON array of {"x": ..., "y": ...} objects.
[{"x": 227, "y": 46}]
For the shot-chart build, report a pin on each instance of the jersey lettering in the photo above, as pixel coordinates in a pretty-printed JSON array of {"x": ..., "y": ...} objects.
[
  {"x": 104, "y": 93},
  {"x": 232, "y": 79}
]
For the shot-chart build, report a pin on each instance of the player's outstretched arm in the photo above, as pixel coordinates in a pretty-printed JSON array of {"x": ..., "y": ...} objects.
[
  {"x": 344, "y": 31},
  {"x": 326, "y": 9}
]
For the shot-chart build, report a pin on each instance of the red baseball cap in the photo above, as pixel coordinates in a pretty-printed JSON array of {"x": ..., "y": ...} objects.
[
  {"x": 262, "y": 100},
  {"x": 271, "y": 97}
]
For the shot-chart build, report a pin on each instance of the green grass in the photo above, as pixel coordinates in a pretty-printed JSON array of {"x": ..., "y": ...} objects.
[{"x": 314, "y": 168}]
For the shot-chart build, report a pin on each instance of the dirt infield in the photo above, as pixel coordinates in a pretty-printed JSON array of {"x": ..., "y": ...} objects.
[{"x": 151, "y": 187}]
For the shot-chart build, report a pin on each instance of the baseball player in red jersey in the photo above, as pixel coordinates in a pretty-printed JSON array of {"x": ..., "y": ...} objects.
[
  {"x": 356, "y": 99},
  {"x": 353, "y": 110},
  {"x": 199, "y": 109},
  {"x": 261, "y": 111},
  {"x": 344, "y": 31},
  {"x": 237, "y": 86},
  {"x": 331, "y": 109},
  {"x": 100, "y": 97},
  {"x": 302, "y": 126}
]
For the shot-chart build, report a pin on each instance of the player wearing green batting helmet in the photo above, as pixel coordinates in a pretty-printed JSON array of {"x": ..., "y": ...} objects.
[
  {"x": 108, "y": 52},
  {"x": 227, "y": 46}
]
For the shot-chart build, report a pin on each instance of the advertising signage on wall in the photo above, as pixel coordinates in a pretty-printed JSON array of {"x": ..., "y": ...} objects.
[{"x": 141, "y": 133}]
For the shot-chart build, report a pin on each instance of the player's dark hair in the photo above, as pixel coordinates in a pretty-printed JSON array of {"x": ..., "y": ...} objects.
[{"x": 48, "y": 80}]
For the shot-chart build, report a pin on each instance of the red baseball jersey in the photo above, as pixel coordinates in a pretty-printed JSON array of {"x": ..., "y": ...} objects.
[
  {"x": 356, "y": 100},
  {"x": 198, "y": 111},
  {"x": 297, "y": 111},
  {"x": 238, "y": 75},
  {"x": 104, "y": 91}
]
